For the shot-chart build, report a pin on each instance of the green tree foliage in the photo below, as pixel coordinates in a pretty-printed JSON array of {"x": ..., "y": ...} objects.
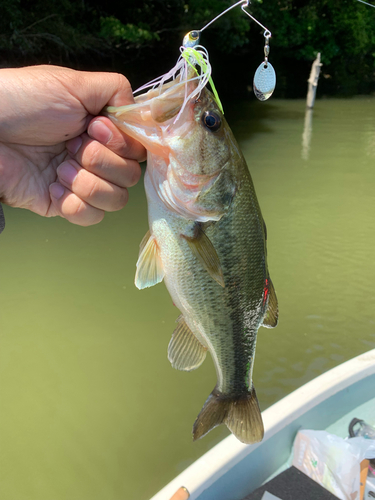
[
  {"x": 142, "y": 39},
  {"x": 113, "y": 29},
  {"x": 342, "y": 30},
  {"x": 35, "y": 31}
]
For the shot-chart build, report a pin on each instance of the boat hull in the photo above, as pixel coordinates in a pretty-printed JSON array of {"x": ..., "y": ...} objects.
[{"x": 233, "y": 470}]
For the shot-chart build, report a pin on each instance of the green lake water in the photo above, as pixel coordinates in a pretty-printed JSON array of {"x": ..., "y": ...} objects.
[{"x": 90, "y": 406}]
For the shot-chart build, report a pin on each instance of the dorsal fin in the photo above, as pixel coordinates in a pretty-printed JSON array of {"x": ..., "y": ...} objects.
[
  {"x": 185, "y": 352},
  {"x": 203, "y": 249},
  {"x": 149, "y": 267},
  {"x": 272, "y": 314}
]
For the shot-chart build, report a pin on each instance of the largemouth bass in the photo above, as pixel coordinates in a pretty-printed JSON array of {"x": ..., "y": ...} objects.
[{"x": 207, "y": 240}]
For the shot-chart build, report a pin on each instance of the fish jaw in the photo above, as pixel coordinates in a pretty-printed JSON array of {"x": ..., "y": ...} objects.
[
  {"x": 136, "y": 121},
  {"x": 151, "y": 119},
  {"x": 188, "y": 164}
]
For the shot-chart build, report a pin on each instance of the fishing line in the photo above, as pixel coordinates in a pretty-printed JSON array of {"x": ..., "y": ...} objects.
[{"x": 366, "y": 3}]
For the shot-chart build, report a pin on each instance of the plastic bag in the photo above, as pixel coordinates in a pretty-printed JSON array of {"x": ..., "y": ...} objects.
[
  {"x": 359, "y": 427},
  {"x": 331, "y": 461}
]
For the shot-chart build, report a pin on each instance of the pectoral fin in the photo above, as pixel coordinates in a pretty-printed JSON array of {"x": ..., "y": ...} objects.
[
  {"x": 144, "y": 241},
  {"x": 272, "y": 314},
  {"x": 149, "y": 266},
  {"x": 185, "y": 352},
  {"x": 205, "y": 252}
]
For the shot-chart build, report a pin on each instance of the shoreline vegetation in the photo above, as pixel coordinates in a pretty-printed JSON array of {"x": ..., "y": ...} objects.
[{"x": 141, "y": 40}]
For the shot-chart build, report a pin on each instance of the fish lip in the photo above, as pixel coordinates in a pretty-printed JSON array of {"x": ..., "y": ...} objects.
[
  {"x": 163, "y": 104},
  {"x": 169, "y": 89},
  {"x": 142, "y": 100}
]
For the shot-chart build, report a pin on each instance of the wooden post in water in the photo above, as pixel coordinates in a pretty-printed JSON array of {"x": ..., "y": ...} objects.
[
  {"x": 313, "y": 81},
  {"x": 313, "y": 84},
  {"x": 307, "y": 133}
]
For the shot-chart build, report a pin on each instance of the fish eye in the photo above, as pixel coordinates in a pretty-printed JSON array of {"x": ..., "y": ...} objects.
[
  {"x": 194, "y": 35},
  {"x": 211, "y": 120}
]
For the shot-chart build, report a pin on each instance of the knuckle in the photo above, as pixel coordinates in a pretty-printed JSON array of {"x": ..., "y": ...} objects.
[
  {"x": 92, "y": 188},
  {"x": 134, "y": 174},
  {"x": 122, "y": 80},
  {"x": 134, "y": 149},
  {"x": 73, "y": 209},
  {"x": 119, "y": 145},
  {"x": 91, "y": 156},
  {"x": 95, "y": 218},
  {"x": 119, "y": 200},
  {"x": 77, "y": 212},
  {"x": 123, "y": 199}
]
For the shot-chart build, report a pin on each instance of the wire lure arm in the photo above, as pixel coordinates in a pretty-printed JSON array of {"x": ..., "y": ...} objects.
[
  {"x": 265, "y": 77},
  {"x": 245, "y": 3},
  {"x": 192, "y": 38}
]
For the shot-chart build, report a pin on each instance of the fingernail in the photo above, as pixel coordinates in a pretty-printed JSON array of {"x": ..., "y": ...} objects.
[
  {"x": 56, "y": 190},
  {"x": 100, "y": 132},
  {"x": 73, "y": 145},
  {"x": 67, "y": 173}
]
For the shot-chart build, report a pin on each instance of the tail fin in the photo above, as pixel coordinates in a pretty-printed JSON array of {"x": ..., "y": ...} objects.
[{"x": 241, "y": 414}]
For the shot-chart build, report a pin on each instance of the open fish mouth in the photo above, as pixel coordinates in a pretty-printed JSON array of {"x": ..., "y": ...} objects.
[{"x": 169, "y": 94}]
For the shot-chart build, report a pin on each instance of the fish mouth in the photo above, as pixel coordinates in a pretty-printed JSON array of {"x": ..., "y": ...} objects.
[
  {"x": 159, "y": 104},
  {"x": 169, "y": 100},
  {"x": 152, "y": 112},
  {"x": 165, "y": 102}
]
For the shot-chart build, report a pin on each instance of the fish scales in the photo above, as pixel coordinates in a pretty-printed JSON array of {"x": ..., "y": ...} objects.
[
  {"x": 227, "y": 318},
  {"x": 207, "y": 240}
]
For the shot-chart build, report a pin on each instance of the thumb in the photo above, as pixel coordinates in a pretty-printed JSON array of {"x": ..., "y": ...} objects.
[{"x": 96, "y": 90}]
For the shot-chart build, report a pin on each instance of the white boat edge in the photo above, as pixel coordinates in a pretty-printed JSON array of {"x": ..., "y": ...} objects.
[{"x": 205, "y": 471}]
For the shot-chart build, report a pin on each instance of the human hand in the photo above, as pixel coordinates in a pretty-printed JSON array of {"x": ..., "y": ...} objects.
[{"x": 56, "y": 156}]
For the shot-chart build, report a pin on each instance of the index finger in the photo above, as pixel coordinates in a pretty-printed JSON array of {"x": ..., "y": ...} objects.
[{"x": 104, "y": 131}]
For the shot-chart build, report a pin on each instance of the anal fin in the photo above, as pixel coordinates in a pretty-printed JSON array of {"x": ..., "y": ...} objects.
[
  {"x": 149, "y": 266},
  {"x": 185, "y": 352},
  {"x": 271, "y": 317},
  {"x": 241, "y": 414}
]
